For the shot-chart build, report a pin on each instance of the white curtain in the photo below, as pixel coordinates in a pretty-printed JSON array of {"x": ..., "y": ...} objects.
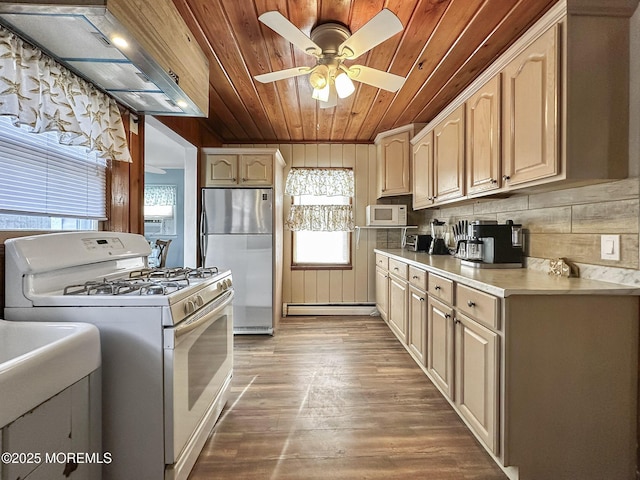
[
  {"x": 322, "y": 199},
  {"x": 159, "y": 195},
  {"x": 38, "y": 92}
]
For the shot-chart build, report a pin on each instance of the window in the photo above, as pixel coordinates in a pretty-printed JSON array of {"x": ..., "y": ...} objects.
[
  {"x": 321, "y": 216},
  {"x": 159, "y": 209},
  {"x": 48, "y": 186},
  {"x": 321, "y": 248}
]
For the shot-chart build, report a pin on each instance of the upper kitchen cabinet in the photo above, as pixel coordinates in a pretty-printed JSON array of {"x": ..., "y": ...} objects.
[
  {"x": 530, "y": 112},
  {"x": 448, "y": 157},
  {"x": 482, "y": 156},
  {"x": 438, "y": 161},
  {"x": 551, "y": 111},
  {"x": 141, "y": 53},
  {"x": 394, "y": 160},
  {"x": 241, "y": 166}
]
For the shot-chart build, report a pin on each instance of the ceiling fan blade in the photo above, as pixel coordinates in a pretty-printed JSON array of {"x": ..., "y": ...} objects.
[
  {"x": 282, "y": 74},
  {"x": 380, "y": 28},
  {"x": 282, "y": 26},
  {"x": 333, "y": 98},
  {"x": 156, "y": 170},
  {"x": 376, "y": 78}
]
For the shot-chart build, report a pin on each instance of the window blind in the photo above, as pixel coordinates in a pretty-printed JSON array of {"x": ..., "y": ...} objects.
[{"x": 38, "y": 176}]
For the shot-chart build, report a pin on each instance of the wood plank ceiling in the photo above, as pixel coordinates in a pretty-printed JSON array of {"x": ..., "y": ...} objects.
[{"x": 445, "y": 44}]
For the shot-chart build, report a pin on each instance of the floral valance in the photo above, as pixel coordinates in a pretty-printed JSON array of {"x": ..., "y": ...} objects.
[
  {"x": 320, "y": 218},
  {"x": 38, "y": 92},
  {"x": 320, "y": 181},
  {"x": 159, "y": 195}
]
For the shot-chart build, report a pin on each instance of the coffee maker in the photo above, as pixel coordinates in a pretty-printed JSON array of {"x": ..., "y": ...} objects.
[{"x": 494, "y": 245}]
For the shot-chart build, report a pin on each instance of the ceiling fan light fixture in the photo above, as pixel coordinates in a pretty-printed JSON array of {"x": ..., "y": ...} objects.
[
  {"x": 319, "y": 77},
  {"x": 321, "y": 94},
  {"x": 344, "y": 85}
]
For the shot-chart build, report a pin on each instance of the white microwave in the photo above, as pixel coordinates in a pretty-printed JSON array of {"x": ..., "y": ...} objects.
[{"x": 381, "y": 215}]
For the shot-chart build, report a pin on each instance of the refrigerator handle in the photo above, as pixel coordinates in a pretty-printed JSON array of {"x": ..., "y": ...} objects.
[{"x": 203, "y": 237}]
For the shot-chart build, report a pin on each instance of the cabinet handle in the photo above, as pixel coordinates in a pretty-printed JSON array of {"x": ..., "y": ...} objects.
[
  {"x": 447, "y": 315},
  {"x": 470, "y": 304},
  {"x": 415, "y": 277},
  {"x": 493, "y": 180},
  {"x": 456, "y": 321},
  {"x": 245, "y": 179},
  {"x": 421, "y": 299},
  {"x": 506, "y": 177},
  {"x": 437, "y": 287},
  {"x": 396, "y": 269},
  {"x": 234, "y": 179}
]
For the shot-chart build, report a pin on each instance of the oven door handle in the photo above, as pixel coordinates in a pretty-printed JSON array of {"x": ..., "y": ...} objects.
[{"x": 207, "y": 312}]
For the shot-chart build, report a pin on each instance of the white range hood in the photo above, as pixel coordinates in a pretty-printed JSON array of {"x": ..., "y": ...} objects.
[{"x": 84, "y": 38}]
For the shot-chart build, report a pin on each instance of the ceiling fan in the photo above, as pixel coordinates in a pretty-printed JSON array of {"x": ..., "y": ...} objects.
[{"x": 331, "y": 44}]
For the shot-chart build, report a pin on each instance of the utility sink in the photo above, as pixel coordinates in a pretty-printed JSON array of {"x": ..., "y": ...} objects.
[{"x": 40, "y": 359}]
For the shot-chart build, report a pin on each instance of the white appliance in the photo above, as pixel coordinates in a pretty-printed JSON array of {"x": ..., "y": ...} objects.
[
  {"x": 237, "y": 234},
  {"x": 386, "y": 215},
  {"x": 166, "y": 338}
]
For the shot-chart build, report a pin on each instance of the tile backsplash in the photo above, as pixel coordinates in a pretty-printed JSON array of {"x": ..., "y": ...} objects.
[{"x": 563, "y": 223}]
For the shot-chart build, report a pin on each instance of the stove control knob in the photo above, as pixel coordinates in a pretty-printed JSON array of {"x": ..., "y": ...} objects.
[
  {"x": 199, "y": 300},
  {"x": 189, "y": 307},
  {"x": 229, "y": 283},
  {"x": 220, "y": 286}
]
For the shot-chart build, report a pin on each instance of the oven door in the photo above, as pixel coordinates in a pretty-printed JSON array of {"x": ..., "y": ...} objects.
[{"x": 198, "y": 359}]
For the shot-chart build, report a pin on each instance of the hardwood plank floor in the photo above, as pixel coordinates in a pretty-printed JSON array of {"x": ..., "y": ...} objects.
[{"x": 336, "y": 398}]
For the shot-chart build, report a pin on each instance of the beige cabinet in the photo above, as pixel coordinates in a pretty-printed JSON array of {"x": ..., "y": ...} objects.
[
  {"x": 239, "y": 169},
  {"x": 393, "y": 149},
  {"x": 477, "y": 380},
  {"x": 440, "y": 345},
  {"x": 448, "y": 157},
  {"x": 530, "y": 112},
  {"x": 482, "y": 155},
  {"x": 423, "y": 171},
  {"x": 417, "y": 329},
  {"x": 382, "y": 292},
  {"x": 398, "y": 298}
]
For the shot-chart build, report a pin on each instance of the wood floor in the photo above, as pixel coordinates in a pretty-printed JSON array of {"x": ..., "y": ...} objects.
[{"x": 336, "y": 398}]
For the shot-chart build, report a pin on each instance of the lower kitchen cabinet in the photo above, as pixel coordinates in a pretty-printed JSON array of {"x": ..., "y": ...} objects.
[
  {"x": 382, "y": 292},
  {"x": 544, "y": 375},
  {"x": 440, "y": 345},
  {"x": 417, "y": 335},
  {"x": 477, "y": 378},
  {"x": 398, "y": 297}
]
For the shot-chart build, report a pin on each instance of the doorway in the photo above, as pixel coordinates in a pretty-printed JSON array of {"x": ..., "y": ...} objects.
[{"x": 171, "y": 166}]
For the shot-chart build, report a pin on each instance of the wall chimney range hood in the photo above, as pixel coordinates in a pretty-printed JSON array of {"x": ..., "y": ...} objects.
[{"x": 140, "y": 53}]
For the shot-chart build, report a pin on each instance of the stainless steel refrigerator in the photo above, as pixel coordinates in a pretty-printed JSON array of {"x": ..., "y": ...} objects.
[{"x": 237, "y": 233}]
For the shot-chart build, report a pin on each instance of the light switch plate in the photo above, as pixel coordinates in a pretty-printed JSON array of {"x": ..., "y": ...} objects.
[{"x": 610, "y": 247}]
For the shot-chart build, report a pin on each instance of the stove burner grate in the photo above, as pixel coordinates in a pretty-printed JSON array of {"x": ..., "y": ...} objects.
[{"x": 141, "y": 286}]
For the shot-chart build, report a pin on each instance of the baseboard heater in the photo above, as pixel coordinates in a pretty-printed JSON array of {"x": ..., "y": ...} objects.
[{"x": 328, "y": 309}]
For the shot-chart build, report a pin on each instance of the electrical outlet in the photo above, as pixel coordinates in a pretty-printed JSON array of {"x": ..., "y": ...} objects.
[{"x": 610, "y": 247}]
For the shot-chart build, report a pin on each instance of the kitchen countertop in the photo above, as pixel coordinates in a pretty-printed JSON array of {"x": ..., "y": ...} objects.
[{"x": 507, "y": 282}]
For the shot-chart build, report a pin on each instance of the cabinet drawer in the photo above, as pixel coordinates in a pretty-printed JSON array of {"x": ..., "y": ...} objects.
[
  {"x": 480, "y": 306},
  {"x": 441, "y": 288},
  {"x": 382, "y": 261},
  {"x": 398, "y": 268},
  {"x": 418, "y": 278}
]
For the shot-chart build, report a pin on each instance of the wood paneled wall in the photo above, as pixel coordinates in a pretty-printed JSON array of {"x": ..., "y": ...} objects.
[
  {"x": 333, "y": 286},
  {"x": 563, "y": 223}
]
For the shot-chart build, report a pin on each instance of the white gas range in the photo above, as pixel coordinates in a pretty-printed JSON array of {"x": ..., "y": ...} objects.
[{"x": 166, "y": 338}]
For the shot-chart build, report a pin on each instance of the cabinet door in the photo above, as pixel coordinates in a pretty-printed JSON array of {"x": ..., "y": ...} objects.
[
  {"x": 417, "y": 340},
  {"x": 440, "y": 345},
  {"x": 483, "y": 138},
  {"x": 398, "y": 297},
  {"x": 423, "y": 172},
  {"x": 530, "y": 112},
  {"x": 222, "y": 170},
  {"x": 382, "y": 292},
  {"x": 256, "y": 169},
  {"x": 393, "y": 165},
  {"x": 448, "y": 157},
  {"x": 477, "y": 378}
]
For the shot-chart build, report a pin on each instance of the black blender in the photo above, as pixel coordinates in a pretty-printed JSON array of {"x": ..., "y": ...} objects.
[{"x": 438, "y": 243}]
